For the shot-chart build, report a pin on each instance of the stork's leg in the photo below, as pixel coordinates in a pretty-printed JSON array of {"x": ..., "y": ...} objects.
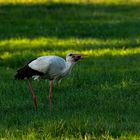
[
  {"x": 33, "y": 94},
  {"x": 50, "y": 95}
]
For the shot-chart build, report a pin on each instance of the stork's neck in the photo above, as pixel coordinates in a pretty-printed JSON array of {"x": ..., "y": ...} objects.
[{"x": 69, "y": 66}]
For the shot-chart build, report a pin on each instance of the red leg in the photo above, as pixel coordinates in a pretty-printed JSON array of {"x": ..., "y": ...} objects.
[
  {"x": 33, "y": 94},
  {"x": 50, "y": 95}
]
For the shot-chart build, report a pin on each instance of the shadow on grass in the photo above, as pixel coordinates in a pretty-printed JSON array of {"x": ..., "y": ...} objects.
[{"x": 69, "y": 20}]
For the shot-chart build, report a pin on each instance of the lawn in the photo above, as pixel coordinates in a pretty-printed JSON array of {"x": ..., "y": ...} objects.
[{"x": 100, "y": 99}]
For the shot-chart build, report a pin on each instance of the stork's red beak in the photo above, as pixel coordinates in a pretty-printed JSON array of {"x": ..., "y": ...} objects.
[{"x": 79, "y": 56}]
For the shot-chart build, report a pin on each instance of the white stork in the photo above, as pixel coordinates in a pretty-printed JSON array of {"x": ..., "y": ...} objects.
[{"x": 53, "y": 68}]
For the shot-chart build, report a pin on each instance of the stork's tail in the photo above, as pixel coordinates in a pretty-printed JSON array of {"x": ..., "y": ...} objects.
[
  {"x": 22, "y": 73},
  {"x": 27, "y": 72}
]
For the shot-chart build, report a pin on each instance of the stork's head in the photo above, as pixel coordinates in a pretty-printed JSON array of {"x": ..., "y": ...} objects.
[{"x": 72, "y": 57}]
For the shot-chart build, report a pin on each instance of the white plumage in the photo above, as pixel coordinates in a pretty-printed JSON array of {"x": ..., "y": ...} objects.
[{"x": 53, "y": 67}]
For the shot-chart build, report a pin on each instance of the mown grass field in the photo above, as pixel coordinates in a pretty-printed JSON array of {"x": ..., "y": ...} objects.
[{"x": 100, "y": 99}]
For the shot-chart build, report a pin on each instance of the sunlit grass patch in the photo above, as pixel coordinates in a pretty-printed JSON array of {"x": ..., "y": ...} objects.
[
  {"x": 68, "y": 42},
  {"x": 55, "y": 46},
  {"x": 70, "y": 1},
  {"x": 15, "y": 52},
  {"x": 99, "y": 1}
]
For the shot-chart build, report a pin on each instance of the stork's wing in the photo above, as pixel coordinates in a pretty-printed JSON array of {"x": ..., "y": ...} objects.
[
  {"x": 52, "y": 65},
  {"x": 40, "y": 64}
]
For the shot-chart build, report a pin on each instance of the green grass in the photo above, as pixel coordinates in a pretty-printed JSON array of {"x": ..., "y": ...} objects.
[{"x": 100, "y": 99}]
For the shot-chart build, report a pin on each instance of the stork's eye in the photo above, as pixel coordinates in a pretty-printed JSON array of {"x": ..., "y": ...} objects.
[{"x": 70, "y": 54}]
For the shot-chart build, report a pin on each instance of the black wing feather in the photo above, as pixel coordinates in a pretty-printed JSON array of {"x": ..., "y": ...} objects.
[{"x": 27, "y": 72}]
